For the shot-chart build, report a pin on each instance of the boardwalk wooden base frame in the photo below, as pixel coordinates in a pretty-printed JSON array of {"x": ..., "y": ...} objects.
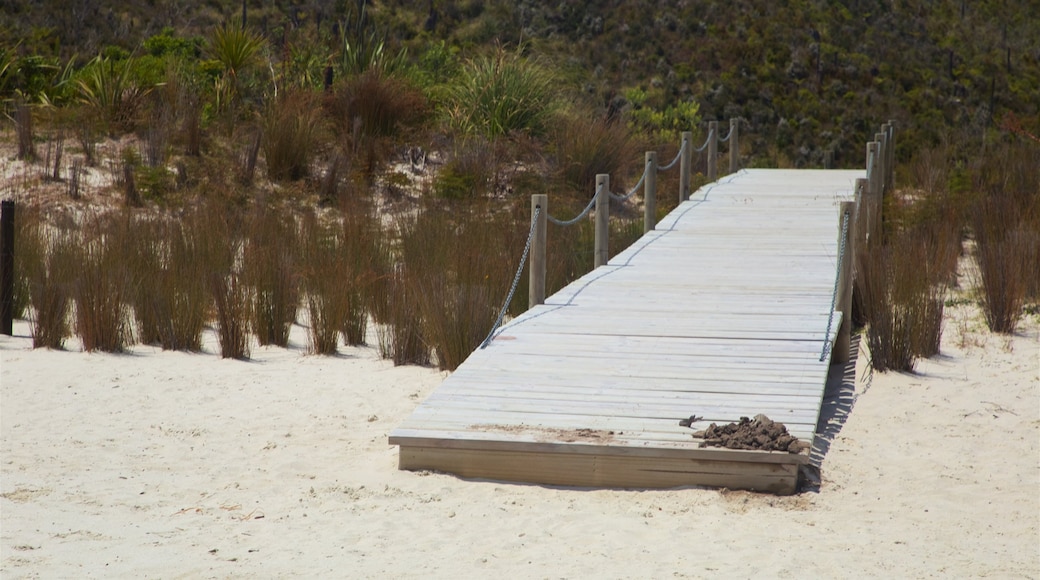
[{"x": 604, "y": 466}]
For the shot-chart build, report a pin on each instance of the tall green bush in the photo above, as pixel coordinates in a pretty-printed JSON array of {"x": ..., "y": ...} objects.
[{"x": 501, "y": 93}]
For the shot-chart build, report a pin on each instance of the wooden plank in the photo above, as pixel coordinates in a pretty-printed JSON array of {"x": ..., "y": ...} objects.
[
  {"x": 533, "y": 440},
  {"x": 659, "y": 427},
  {"x": 600, "y": 471}
]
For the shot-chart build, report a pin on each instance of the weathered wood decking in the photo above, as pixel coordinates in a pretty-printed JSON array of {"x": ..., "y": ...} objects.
[{"x": 721, "y": 313}]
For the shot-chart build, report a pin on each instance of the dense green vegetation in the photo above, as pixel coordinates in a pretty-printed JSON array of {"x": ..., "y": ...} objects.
[
  {"x": 808, "y": 75},
  {"x": 231, "y": 111}
]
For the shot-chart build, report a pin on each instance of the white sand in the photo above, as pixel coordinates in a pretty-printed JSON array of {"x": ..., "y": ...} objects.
[{"x": 164, "y": 464}]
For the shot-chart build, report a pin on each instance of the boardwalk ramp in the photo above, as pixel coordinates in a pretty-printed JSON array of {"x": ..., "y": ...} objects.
[{"x": 720, "y": 313}]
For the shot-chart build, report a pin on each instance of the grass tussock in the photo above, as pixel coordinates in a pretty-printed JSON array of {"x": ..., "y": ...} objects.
[
  {"x": 902, "y": 275},
  {"x": 370, "y": 112},
  {"x": 51, "y": 288},
  {"x": 585, "y": 147},
  {"x": 459, "y": 264},
  {"x": 28, "y": 258},
  {"x": 326, "y": 281},
  {"x": 189, "y": 250},
  {"x": 103, "y": 286},
  {"x": 401, "y": 333},
  {"x": 290, "y": 136},
  {"x": 232, "y": 308},
  {"x": 364, "y": 251},
  {"x": 270, "y": 266},
  {"x": 499, "y": 94},
  {"x": 1006, "y": 225}
]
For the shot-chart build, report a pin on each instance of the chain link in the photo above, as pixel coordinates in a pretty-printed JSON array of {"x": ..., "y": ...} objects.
[
  {"x": 516, "y": 279},
  {"x": 837, "y": 279}
]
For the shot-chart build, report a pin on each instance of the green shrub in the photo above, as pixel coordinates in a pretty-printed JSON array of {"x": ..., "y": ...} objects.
[
  {"x": 109, "y": 86},
  {"x": 500, "y": 94}
]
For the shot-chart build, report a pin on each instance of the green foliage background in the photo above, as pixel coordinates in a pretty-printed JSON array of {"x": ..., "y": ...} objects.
[{"x": 807, "y": 75}]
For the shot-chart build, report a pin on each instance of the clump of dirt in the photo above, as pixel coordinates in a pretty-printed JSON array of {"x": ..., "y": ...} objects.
[{"x": 760, "y": 434}]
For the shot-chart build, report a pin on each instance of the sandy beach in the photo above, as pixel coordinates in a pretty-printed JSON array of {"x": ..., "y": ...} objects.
[{"x": 172, "y": 465}]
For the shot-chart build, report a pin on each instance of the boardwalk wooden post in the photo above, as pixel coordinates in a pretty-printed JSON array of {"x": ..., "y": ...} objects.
[
  {"x": 880, "y": 159},
  {"x": 650, "y": 192},
  {"x": 734, "y": 144},
  {"x": 7, "y": 267},
  {"x": 713, "y": 150},
  {"x": 828, "y": 159},
  {"x": 602, "y": 219},
  {"x": 685, "y": 163},
  {"x": 890, "y": 149},
  {"x": 536, "y": 279},
  {"x": 873, "y": 191},
  {"x": 843, "y": 301}
]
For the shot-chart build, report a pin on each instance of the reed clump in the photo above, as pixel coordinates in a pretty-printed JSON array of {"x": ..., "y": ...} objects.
[
  {"x": 51, "y": 288},
  {"x": 291, "y": 135},
  {"x": 270, "y": 270},
  {"x": 326, "y": 282},
  {"x": 459, "y": 266},
  {"x": 103, "y": 285},
  {"x": 1006, "y": 226}
]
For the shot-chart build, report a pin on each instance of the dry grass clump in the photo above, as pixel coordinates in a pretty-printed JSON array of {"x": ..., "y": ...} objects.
[
  {"x": 459, "y": 262},
  {"x": 1006, "y": 224},
  {"x": 400, "y": 335},
  {"x": 326, "y": 283},
  {"x": 51, "y": 287},
  {"x": 370, "y": 112},
  {"x": 103, "y": 285},
  {"x": 364, "y": 251},
  {"x": 188, "y": 252},
  {"x": 232, "y": 306},
  {"x": 903, "y": 269},
  {"x": 270, "y": 270},
  {"x": 28, "y": 257},
  {"x": 585, "y": 147},
  {"x": 290, "y": 135}
]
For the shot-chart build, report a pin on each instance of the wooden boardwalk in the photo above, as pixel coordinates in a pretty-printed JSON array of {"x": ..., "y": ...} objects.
[{"x": 721, "y": 312}]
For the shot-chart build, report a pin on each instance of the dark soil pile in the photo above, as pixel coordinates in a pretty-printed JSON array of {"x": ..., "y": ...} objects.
[{"x": 760, "y": 433}]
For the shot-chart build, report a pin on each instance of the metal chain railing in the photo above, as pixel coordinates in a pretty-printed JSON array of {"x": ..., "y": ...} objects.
[
  {"x": 516, "y": 278},
  {"x": 837, "y": 279},
  {"x": 580, "y": 216}
]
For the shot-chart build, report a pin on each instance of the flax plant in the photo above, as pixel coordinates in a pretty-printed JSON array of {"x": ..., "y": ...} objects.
[{"x": 499, "y": 94}]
